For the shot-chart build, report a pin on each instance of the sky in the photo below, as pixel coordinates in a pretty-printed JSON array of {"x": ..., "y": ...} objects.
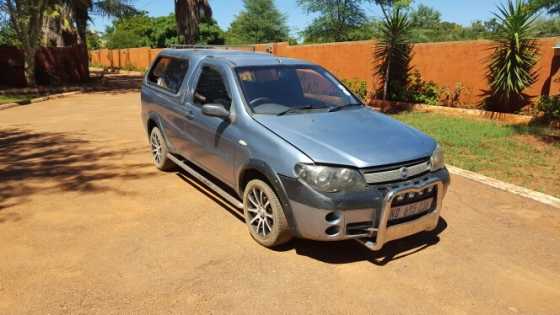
[{"x": 458, "y": 11}]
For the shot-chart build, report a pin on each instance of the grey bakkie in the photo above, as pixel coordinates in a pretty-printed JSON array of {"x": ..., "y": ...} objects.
[{"x": 293, "y": 149}]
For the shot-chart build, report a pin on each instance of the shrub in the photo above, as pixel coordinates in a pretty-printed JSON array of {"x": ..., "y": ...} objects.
[
  {"x": 452, "y": 98},
  {"x": 97, "y": 65},
  {"x": 393, "y": 53},
  {"x": 416, "y": 90},
  {"x": 550, "y": 106},
  {"x": 515, "y": 54},
  {"x": 359, "y": 87},
  {"x": 132, "y": 67},
  {"x": 420, "y": 91}
]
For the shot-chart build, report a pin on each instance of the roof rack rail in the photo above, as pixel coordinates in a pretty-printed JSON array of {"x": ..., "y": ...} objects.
[{"x": 217, "y": 47}]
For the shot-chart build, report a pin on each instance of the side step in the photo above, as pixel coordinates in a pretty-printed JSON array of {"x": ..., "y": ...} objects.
[{"x": 222, "y": 193}]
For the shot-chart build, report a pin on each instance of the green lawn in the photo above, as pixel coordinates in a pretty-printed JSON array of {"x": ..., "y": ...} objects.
[
  {"x": 526, "y": 156},
  {"x": 5, "y": 99}
]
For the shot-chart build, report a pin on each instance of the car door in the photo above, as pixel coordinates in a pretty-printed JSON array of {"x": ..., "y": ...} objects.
[
  {"x": 164, "y": 82},
  {"x": 214, "y": 149}
]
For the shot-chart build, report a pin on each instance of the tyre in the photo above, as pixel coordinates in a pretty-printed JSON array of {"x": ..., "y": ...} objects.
[
  {"x": 159, "y": 151},
  {"x": 264, "y": 215}
]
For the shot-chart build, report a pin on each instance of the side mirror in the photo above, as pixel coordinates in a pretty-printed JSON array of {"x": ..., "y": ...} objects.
[{"x": 215, "y": 110}]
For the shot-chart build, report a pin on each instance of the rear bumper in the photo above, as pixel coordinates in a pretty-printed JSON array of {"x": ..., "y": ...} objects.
[{"x": 363, "y": 216}]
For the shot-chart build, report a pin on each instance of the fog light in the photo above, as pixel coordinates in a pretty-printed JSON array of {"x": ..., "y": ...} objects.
[
  {"x": 332, "y": 217},
  {"x": 411, "y": 195},
  {"x": 400, "y": 198},
  {"x": 333, "y": 230}
]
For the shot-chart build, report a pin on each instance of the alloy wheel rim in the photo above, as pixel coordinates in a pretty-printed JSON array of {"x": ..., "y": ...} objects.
[
  {"x": 259, "y": 210},
  {"x": 156, "y": 147}
]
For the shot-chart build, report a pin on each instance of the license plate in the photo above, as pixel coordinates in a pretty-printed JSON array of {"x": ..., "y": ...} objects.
[{"x": 411, "y": 209}]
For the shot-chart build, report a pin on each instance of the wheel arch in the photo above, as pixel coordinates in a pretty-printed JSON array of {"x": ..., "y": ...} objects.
[
  {"x": 154, "y": 120},
  {"x": 257, "y": 169}
]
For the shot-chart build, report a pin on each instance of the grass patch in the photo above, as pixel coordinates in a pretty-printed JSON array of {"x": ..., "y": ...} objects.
[
  {"x": 5, "y": 99},
  {"x": 524, "y": 155}
]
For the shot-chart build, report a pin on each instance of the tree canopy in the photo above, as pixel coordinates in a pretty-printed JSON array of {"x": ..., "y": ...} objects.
[
  {"x": 551, "y": 6},
  {"x": 7, "y": 34},
  {"x": 428, "y": 26},
  {"x": 338, "y": 20},
  {"x": 142, "y": 30},
  {"x": 259, "y": 22}
]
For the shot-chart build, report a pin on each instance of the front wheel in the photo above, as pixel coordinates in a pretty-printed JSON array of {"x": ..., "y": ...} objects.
[
  {"x": 264, "y": 215},
  {"x": 159, "y": 151}
]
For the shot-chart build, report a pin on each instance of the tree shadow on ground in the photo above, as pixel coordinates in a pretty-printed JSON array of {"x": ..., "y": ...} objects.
[
  {"x": 43, "y": 162},
  {"x": 539, "y": 128},
  {"x": 114, "y": 83}
]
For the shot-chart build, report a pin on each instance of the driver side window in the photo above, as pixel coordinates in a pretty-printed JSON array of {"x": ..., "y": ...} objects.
[{"x": 211, "y": 89}]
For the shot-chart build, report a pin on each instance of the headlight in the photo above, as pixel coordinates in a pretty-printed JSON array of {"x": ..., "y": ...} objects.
[
  {"x": 437, "y": 162},
  {"x": 331, "y": 179}
]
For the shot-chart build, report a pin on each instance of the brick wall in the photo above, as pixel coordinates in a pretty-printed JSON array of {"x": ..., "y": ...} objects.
[
  {"x": 447, "y": 63},
  {"x": 54, "y": 66}
]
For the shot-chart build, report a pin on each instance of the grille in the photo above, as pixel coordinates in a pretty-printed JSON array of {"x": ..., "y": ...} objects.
[
  {"x": 397, "y": 172},
  {"x": 408, "y": 198}
]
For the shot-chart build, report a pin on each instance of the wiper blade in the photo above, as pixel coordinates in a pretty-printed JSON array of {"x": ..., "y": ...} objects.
[
  {"x": 294, "y": 109},
  {"x": 337, "y": 108}
]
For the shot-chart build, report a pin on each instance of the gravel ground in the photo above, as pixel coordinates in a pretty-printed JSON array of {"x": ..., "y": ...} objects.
[{"x": 87, "y": 225}]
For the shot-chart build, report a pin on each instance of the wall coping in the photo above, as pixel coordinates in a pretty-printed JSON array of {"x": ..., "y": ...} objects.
[
  {"x": 40, "y": 90},
  {"x": 452, "y": 42}
]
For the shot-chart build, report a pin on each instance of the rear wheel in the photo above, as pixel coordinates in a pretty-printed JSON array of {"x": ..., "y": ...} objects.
[
  {"x": 159, "y": 151},
  {"x": 264, "y": 215}
]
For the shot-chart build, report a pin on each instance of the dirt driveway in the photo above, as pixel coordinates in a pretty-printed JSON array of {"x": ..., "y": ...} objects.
[{"x": 87, "y": 225}]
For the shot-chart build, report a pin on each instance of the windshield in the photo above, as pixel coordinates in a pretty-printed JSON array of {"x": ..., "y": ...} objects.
[{"x": 282, "y": 89}]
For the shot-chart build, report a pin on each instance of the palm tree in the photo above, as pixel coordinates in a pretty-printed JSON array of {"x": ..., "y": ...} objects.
[
  {"x": 393, "y": 51},
  {"x": 188, "y": 15},
  {"x": 58, "y": 26},
  {"x": 81, "y": 10},
  {"x": 514, "y": 56}
]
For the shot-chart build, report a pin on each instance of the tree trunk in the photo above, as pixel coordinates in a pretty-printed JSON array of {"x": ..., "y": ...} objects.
[
  {"x": 26, "y": 18},
  {"x": 82, "y": 16},
  {"x": 59, "y": 30},
  {"x": 29, "y": 65},
  {"x": 188, "y": 14},
  {"x": 180, "y": 17},
  {"x": 386, "y": 83}
]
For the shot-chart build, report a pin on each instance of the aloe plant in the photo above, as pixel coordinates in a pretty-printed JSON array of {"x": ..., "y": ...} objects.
[
  {"x": 393, "y": 52},
  {"x": 514, "y": 56}
]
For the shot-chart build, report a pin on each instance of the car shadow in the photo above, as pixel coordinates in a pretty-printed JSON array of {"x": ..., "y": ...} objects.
[
  {"x": 342, "y": 252},
  {"x": 201, "y": 187},
  {"x": 350, "y": 251}
]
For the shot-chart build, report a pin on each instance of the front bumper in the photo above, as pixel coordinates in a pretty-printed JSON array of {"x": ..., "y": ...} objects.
[{"x": 364, "y": 216}]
